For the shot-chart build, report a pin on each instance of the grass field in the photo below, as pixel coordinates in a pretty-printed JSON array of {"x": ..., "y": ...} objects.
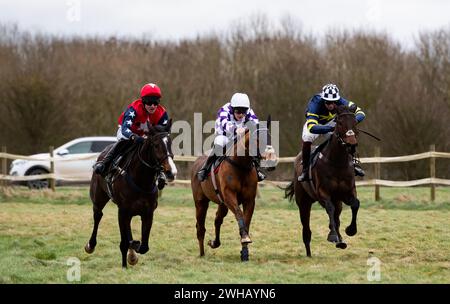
[{"x": 41, "y": 230}]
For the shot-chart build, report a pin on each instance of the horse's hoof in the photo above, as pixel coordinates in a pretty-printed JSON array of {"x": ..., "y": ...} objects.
[
  {"x": 135, "y": 245},
  {"x": 341, "y": 245},
  {"x": 246, "y": 240},
  {"x": 132, "y": 257},
  {"x": 350, "y": 231},
  {"x": 143, "y": 249},
  {"x": 333, "y": 238},
  {"x": 213, "y": 244},
  {"x": 89, "y": 249}
]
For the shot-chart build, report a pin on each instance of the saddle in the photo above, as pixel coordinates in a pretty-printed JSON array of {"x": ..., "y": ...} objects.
[
  {"x": 316, "y": 152},
  {"x": 216, "y": 165},
  {"x": 113, "y": 167}
]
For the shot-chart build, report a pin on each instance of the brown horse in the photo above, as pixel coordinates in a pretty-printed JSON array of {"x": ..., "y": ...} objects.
[
  {"x": 237, "y": 184},
  {"x": 134, "y": 190},
  {"x": 333, "y": 181}
]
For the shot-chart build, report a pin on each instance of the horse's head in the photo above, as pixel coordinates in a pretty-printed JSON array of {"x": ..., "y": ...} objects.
[
  {"x": 345, "y": 129},
  {"x": 258, "y": 142},
  {"x": 161, "y": 147}
]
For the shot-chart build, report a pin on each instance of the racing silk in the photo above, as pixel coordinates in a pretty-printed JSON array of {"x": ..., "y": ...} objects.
[
  {"x": 134, "y": 119},
  {"x": 226, "y": 124},
  {"x": 317, "y": 115}
]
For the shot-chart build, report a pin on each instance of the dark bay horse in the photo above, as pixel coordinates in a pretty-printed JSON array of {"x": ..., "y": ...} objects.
[
  {"x": 333, "y": 181},
  {"x": 237, "y": 183},
  {"x": 134, "y": 190}
]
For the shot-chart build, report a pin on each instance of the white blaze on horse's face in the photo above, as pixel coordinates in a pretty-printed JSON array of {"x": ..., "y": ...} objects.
[
  {"x": 173, "y": 168},
  {"x": 350, "y": 133}
]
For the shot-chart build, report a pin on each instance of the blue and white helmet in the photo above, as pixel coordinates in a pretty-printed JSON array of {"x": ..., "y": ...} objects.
[{"x": 330, "y": 92}]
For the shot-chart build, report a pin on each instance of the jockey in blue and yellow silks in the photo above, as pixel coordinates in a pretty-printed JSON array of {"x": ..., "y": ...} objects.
[{"x": 320, "y": 114}]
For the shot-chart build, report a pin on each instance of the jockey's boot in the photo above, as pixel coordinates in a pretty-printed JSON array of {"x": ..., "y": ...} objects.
[
  {"x": 202, "y": 174},
  {"x": 162, "y": 180},
  {"x": 101, "y": 165},
  {"x": 358, "y": 170},
  {"x": 306, "y": 153},
  {"x": 261, "y": 175}
]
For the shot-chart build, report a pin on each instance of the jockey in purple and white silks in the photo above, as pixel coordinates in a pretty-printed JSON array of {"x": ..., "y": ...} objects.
[{"x": 231, "y": 121}]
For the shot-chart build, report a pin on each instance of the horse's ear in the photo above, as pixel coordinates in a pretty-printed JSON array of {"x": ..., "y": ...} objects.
[
  {"x": 353, "y": 108},
  {"x": 168, "y": 126}
]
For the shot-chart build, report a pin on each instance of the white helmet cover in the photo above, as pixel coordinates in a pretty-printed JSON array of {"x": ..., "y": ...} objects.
[{"x": 240, "y": 100}]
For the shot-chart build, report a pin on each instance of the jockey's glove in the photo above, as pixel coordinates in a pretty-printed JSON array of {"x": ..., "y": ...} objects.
[{"x": 137, "y": 139}]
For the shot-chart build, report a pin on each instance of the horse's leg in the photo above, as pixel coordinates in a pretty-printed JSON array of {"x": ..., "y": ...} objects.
[
  {"x": 201, "y": 208},
  {"x": 337, "y": 212},
  {"x": 222, "y": 211},
  {"x": 354, "y": 205},
  {"x": 305, "y": 213},
  {"x": 99, "y": 200},
  {"x": 249, "y": 207},
  {"x": 330, "y": 208},
  {"x": 232, "y": 204},
  {"x": 146, "y": 226},
  {"x": 125, "y": 234}
]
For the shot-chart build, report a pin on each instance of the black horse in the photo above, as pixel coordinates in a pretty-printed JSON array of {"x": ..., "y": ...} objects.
[
  {"x": 133, "y": 189},
  {"x": 333, "y": 181}
]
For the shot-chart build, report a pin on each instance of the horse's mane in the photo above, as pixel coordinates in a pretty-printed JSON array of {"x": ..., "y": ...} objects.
[
  {"x": 343, "y": 109},
  {"x": 160, "y": 129}
]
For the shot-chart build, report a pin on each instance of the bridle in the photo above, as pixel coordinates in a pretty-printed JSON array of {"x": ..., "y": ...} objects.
[
  {"x": 348, "y": 133},
  {"x": 154, "y": 163}
]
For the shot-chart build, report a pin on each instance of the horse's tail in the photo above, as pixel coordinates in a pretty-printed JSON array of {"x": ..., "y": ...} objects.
[{"x": 289, "y": 191}]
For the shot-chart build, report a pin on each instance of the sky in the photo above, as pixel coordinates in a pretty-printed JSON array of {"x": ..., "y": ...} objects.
[{"x": 175, "y": 19}]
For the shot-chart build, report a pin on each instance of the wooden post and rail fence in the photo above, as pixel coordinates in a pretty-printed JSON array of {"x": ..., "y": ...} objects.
[{"x": 377, "y": 160}]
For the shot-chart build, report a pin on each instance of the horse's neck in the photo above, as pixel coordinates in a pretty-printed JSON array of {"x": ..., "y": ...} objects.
[
  {"x": 244, "y": 159},
  {"x": 137, "y": 166},
  {"x": 336, "y": 152}
]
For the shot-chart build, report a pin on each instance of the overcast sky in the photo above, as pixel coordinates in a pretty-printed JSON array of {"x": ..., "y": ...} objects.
[{"x": 174, "y": 19}]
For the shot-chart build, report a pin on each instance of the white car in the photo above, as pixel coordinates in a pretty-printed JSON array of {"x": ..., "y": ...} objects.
[{"x": 85, "y": 147}]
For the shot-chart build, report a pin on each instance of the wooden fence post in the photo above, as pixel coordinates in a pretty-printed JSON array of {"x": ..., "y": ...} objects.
[
  {"x": 432, "y": 173},
  {"x": 52, "y": 170},
  {"x": 4, "y": 168},
  {"x": 377, "y": 173}
]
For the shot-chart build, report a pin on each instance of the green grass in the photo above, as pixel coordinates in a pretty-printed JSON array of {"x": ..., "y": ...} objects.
[{"x": 41, "y": 230}]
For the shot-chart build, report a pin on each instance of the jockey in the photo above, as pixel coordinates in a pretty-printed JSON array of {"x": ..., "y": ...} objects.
[
  {"x": 231, "y": 120},
  {"x": 320, "y": 114},
  {"x": 132, "y": 124}
]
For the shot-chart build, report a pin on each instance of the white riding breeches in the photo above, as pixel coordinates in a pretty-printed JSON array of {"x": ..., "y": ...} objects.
[{"x": 310, "y": 137}]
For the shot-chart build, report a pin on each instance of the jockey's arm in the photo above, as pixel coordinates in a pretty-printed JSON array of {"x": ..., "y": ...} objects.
[
  {"x": 163, "y": 120},
  {"x": 359, "y": 114},
  {"x": 127, "y": 122}
]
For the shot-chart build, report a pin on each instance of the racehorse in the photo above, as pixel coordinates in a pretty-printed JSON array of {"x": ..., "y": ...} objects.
[
  {"x": 236, "y": 184},
  {"x": 133, "y": 189},
  {"x": 332, "y": 181}
]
